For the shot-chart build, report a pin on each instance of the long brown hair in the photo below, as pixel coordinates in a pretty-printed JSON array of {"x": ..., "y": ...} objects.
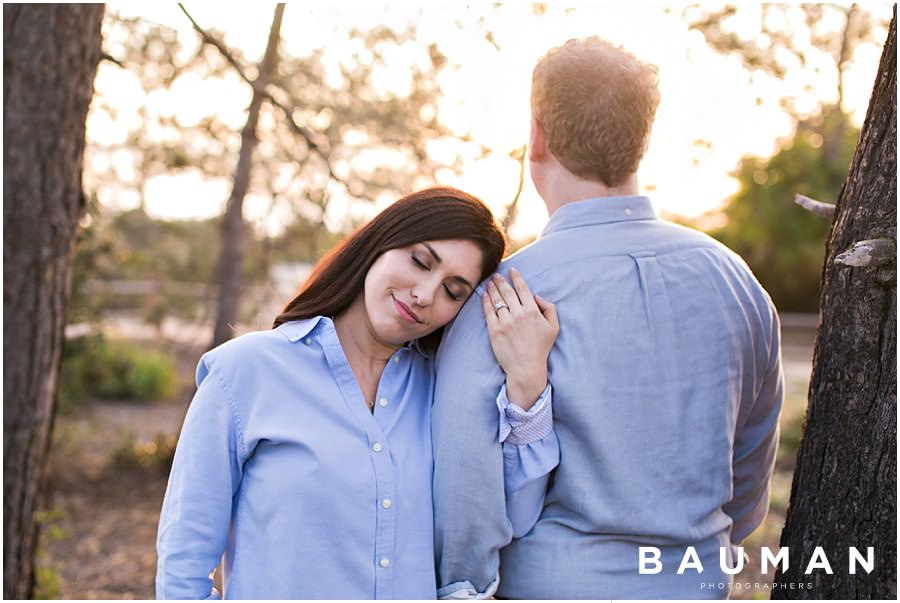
[{"x": 432, "y": 214}]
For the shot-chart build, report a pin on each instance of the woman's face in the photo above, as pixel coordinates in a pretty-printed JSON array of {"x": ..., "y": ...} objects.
[{"x": 412, "y": 291}]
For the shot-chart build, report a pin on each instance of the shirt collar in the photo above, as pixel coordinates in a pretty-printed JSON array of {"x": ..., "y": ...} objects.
[
  {"x": 602, "y": 210},
  {"x": 296, "y": 330}
]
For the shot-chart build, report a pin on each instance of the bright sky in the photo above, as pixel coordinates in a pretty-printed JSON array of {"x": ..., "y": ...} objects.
[{"x": 705, "y": 96}]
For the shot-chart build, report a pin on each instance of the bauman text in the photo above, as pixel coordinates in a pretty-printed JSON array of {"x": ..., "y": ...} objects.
[{"x": 649, "y": 562}]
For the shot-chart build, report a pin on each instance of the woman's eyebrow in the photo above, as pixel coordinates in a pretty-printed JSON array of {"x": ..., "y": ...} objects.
[
  {"x": 460, "y": 279},
  {"x": 433, "y": 252}
]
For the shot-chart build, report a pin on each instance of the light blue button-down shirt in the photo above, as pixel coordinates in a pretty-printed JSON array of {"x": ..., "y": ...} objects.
[
  {"x": 667, "y": 389},
  {"x": 282, "y": 468}
]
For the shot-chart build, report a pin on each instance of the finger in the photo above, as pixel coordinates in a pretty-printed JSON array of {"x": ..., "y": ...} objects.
[
  {"x": 490, "y": 316},
  {"x": 496, "y": 300},
  {"x": 522, "y": 289},
  {"x": 509, "y": 294},
  {"x": 548, "y": 310}
]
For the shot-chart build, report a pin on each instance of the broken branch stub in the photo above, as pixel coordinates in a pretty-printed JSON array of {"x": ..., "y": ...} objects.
[
  {"x": 824, "y": 210},
  {"x": 878, "y": 255}
]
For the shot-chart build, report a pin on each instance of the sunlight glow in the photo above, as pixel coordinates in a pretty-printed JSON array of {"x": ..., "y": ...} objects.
[{"x": 709, "y": 116}]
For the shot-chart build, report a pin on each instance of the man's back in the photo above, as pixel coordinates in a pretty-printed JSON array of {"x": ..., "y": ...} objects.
[{"x": 666, "y": 391}]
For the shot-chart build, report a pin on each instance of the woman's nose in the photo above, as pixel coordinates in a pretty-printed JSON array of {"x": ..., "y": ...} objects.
[{"x": 422, "y": 295}]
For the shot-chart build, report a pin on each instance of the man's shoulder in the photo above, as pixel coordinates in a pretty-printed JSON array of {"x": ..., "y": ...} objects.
[
  {"x": 563, "y": 253},
  {"x": 659, "y": 236}
]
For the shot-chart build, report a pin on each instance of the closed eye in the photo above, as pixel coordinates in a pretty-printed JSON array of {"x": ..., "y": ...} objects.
[
  {"x": 419, "y": 263},
  {"x": 452, "y": 295}
]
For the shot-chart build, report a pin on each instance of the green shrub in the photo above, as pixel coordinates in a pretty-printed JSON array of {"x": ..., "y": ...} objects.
[
  {"x": 47, "y": 583},
  {"x": 47, "y": 579},
  {"x": 96, "y": 366}
]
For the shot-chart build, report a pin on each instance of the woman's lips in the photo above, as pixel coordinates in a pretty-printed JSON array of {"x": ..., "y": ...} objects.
[{"x": 405, "y": 312}]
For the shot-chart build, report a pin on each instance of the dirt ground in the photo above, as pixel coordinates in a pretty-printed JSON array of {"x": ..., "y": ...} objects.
[{"x": 102, "y": 505}]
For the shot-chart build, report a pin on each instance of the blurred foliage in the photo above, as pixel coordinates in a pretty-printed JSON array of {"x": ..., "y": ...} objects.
[
  {"x": 179, "y": 256},
  {"x": 47, "y": 579},
  {"x": 156, "y": 454},
  {"x": 817, "y": 37},
  {"x": 789, "y": 439},
  {"x": 96, "y": 366},
  {"x": 783, "y": 243},
  {"x": 131, "y": 246},
  {"x": 372, "y": 140},
  {"x": 347, "y": 135}
]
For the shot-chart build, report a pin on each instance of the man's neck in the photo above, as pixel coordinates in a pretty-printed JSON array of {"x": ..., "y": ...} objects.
[{"x": 567, "y": 188}]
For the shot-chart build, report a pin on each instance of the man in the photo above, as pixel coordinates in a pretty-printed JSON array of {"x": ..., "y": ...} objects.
[{"x": 666, "y": 375}]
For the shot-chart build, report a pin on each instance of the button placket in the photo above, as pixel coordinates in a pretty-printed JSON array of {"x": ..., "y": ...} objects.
[
  {"x": 384, "y": 471},
  {"x": 385, "y": 520},
  {"x": 386, "y": 398}
]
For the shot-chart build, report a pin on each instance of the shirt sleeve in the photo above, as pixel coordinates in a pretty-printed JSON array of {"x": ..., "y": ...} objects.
[
  {"x": 468, "y": 459},
  {"x": 196, "y": 513},
  {"x": 755, "y": 445},
  {"x": 530, "y": 453}
]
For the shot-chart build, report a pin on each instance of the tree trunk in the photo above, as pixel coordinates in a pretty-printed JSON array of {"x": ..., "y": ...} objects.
[
  {"x": 844, "y": 492},
  {"x": 232, "y": 255},
  {"x": 50, "y": 58}
]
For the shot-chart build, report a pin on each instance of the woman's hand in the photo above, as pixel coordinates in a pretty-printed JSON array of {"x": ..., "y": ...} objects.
[{"x": 522, "y": 328}]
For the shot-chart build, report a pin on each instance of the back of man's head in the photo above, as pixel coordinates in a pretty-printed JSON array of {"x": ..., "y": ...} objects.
[{"x": 596, "y": 103}]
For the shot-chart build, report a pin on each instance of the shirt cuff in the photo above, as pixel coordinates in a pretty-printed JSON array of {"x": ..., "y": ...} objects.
[
  {"x": 518, "y": 426},
  {"x": 465, "y": 590}
]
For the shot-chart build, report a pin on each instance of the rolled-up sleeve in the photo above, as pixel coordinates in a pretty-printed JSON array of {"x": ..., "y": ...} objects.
[
  {"x": 196, "y": 513},
  {"x": 530, "y": 453}
]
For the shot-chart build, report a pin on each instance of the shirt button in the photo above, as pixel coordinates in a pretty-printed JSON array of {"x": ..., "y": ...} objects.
[
  {"x": 386, "y": 503},
  {"x": 627, "y": 212},
  {"x": 307, "y": 341},
  {"x": 385, "y": 562},
  {"x": 396, "y": 360},
  {"x": 376, "y": 446},
  {"x": 383, "y": 402}
]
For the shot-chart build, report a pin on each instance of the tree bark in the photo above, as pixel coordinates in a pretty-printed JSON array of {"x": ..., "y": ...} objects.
[
  {"x": 232, "y": 256},
  {"x": 844, "y": 492},
  {"x": 50, "y": 58}
]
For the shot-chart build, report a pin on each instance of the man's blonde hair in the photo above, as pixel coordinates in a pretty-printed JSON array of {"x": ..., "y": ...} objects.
[{"x": 596, "y": 103}]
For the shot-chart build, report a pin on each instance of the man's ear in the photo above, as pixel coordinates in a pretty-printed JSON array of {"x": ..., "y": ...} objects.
[{"x": 537, "y": 144}]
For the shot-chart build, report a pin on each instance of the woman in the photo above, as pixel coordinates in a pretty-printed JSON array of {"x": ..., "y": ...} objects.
[{"x": 305, "y": 456}]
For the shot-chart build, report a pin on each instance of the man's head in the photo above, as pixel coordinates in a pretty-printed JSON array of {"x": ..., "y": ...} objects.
[{"x": 595, "y": 105}]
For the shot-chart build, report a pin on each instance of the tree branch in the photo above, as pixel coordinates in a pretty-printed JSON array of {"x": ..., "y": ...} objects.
[
  {"x": 824, "y": 210},
  {"x": 219, "y": 45},
  {"x": 304, "y": 132},
  {"x": 108, "y": 57},
  {"x": 513, "y": 208}
]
